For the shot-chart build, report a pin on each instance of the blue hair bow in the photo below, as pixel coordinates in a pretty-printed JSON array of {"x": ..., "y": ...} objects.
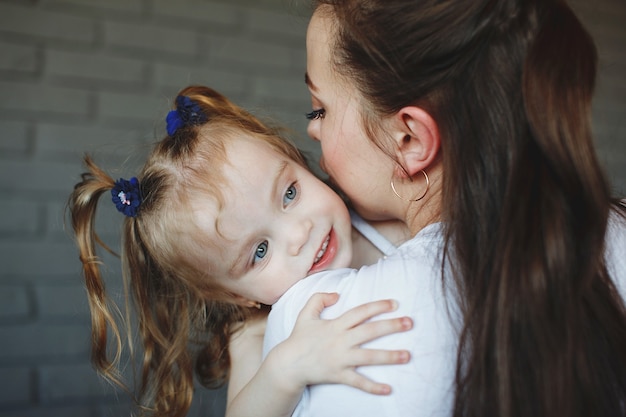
[
  {"x": 187, "y": 113},
  {"x": 126, "y": 196}
]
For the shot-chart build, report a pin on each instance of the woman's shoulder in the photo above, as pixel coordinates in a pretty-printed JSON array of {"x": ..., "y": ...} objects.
[
  {"x": 616, "y": 232},
  {"x": 615, "y": 253},
  {"x": 428, "y": 242},
  {"x": 414, "y": 267}
]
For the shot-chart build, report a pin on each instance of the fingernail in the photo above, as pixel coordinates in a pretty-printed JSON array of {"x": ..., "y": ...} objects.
[{"x": 394, "y": 305}]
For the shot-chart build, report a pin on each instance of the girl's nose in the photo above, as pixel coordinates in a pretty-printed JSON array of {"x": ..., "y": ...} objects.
[{"x": 298, "y": 235}]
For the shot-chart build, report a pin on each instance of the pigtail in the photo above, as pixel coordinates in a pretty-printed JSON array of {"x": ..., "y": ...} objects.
[
  {"x": 163, "y": 316},
  {"x": 82, "y": 207},
  {"x": 161, "y": 302}
]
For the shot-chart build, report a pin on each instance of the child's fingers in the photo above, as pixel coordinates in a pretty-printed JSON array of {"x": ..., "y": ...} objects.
[
  {"x": 356, "y": 380},
  {"x": 378, "y": 328},
  {"x": 369, "y": 357},
  {"x": 318, "y": 302},
  {"x": 364, "y": 312}
]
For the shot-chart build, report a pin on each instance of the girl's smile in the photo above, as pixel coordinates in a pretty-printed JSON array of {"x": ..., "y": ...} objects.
[
  {"x": 326, "y": 254},
  {"x": 277, "y": 223}
]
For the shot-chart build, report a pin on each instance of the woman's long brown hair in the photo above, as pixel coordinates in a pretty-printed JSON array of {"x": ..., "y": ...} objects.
[
  {"x": 183, "y": 316},
  {"x": 525, "y": 202}
]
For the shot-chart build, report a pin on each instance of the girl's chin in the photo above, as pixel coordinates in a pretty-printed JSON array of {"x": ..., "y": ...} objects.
[{"x": 343, "y": 259}]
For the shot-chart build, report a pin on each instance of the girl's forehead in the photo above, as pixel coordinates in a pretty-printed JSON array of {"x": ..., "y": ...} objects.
[{"x": 245, "y": 181}]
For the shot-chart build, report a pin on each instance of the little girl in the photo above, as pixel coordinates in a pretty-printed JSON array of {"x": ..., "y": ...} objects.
[{"x": 224, "y": 216}]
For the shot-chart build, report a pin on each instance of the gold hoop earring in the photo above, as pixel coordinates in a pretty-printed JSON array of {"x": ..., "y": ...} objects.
[{"x": 393, "y": 188}]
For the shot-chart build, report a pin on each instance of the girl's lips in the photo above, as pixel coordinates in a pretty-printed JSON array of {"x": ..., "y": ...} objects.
[{"x": 328, "y": 255}]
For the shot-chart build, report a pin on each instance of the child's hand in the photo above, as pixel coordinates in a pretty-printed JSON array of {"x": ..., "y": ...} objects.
[{"x": 328, "y": 351}]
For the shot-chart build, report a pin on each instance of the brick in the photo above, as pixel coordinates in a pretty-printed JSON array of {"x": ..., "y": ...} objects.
[
  {"x": 249, "y": 53},
  {"x": 16, "y": 386},
  {"x": 14, "y": 304},
  {"x": 205, "y": 13},
  {"x": 108, "y": 222},
  {"x": 29, "y": 21},
  {"x": 18, "y": 57},
  {"x": 283, "y": 24},
  {"x": 97, "y": 6},
  {"x": 40, "y": 177},
  {"x": 613, "y": 160},
  {"x": 55, "y": 220},
  {"x": 19, "y": 218},
  {"x": 603, "y": 11},
  {"x": 144, "y": 109},
  {"x": 31, "y": 98},
  {"x": 41, "y": 341},
  {"x": 123, "y": 406},
  {"x": 150, "y": 37},
  {"x": 611, "y": 92},
  {"x": 176, "y": 76},
  {"x": 276, "y": 89},
  {"x": 293, "y": 117},
  {"x": 55, "y": 410},
  {"x": 94, "y": 67},
  {"x": 62, "y": 301},
  {"x": 298, "y": 63},
  {"x": 64, "y": 383},
  {"x": 13, "y": 136},
  {"x": 74, "y": 141},
  {"x": 208, "y": 402},
  {"x": 38, "y": 258},
  {"x": 613, "y": 69}
]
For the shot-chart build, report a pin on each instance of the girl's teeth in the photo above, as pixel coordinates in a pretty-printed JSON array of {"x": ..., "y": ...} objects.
[{"x": 322, "y": 250}]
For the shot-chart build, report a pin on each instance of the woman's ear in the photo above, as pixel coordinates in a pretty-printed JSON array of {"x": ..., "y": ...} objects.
[{"x": 417, "y": 139}]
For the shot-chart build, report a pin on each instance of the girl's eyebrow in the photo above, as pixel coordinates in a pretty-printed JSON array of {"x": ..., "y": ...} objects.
[
  {"x": 279, "y": 174},
  {"x": 237, "y": 267}
]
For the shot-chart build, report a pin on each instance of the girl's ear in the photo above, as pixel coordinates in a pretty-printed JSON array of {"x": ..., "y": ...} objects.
[
  {"x": 417, "y": 139},
  {"x": 243, "y": 301}
]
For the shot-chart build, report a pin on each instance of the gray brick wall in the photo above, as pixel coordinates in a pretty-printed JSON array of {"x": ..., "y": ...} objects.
[{"x": 97, "y": 76}]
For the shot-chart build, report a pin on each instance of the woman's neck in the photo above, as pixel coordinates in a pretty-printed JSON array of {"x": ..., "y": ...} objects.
[{"x": 420, "y": 214}]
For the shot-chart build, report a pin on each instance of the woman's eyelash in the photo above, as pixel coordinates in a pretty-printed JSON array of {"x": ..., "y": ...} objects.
[{"x": 316, "y": 114}]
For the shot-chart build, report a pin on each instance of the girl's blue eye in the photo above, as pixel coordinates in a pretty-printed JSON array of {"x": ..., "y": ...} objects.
[
  {"x": 290, "y": 194},
  {"x": 260, "y": 252},
  {"x": 316, "y": 114}
]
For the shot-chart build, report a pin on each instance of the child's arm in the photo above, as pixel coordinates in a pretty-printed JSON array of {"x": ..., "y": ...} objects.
[
  {"x": 246, "y": 352},
  {"x": 318, "y": 351}
]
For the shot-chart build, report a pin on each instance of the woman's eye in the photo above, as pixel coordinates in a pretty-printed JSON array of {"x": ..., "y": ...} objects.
[
  {"x": 316, "y": 114},
  {"x": 260, "y": 252},
  {"x": 290, "y": 194}
]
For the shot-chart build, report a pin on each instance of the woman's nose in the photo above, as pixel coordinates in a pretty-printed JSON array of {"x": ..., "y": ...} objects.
[
  {"x": 313, "y": 130},
  {"x": 298, "y": 235}
]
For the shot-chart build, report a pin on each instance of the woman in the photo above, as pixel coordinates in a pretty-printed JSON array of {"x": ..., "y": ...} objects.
[{"x": 476, "y": 114}]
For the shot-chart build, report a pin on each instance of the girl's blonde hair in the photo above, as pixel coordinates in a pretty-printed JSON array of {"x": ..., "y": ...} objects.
[{"x": 184, "y": 317}]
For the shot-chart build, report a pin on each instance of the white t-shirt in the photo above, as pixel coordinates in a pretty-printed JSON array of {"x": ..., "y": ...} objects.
[
  {"x": 412, "y": 276},
  {"x": 615, "y": 253},
  {"x": 370, "y": 233}
]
